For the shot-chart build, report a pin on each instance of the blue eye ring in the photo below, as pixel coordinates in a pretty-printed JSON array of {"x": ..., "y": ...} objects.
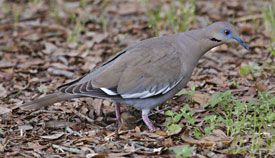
[{"x": 227, "y": 32}]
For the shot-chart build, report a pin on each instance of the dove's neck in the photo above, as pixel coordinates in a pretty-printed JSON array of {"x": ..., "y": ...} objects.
[{"x": 195, "y": 43}]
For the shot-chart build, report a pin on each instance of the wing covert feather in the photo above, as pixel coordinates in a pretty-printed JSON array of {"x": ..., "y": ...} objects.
[{"x": 147, "y": 69}]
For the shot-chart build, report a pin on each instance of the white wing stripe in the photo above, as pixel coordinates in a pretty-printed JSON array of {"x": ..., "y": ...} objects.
[
  {"x": 151, "y": 92},
  {"x": 108, "y": 91},
  {"x": 135, "y": 95}
]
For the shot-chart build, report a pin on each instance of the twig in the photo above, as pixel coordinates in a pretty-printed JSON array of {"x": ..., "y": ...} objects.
[
  {"x": 59, "y": 72},
  {"x": 118, "y": 133},
  {"x": 69, "y": 149},
  {"x": 43, "y": 111},
  {"x": 249, "y": 17},
  {"x": 84, "y": 117}
]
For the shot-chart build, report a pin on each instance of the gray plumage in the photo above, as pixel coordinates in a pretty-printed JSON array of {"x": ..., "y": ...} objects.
[{"x": 148, "y": 73}]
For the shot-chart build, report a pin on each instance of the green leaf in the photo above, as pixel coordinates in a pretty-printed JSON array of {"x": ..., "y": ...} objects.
[
  {"x": 177, "y": 118},
  {"x": 173, "y": 129},
  {"x": 183, "y": 151},
  {"x": 245, "y": 70},
  {"x": 223, "y": 98},
  {"x": 197, "y": 133},
  {"x": 169, "y": 113}
]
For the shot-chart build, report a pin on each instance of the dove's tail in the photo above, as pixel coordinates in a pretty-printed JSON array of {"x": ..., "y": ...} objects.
[{"x": 47, "y": 100}]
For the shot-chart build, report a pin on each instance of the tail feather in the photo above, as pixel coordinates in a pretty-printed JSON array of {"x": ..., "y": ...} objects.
[{"x": 47, "y": 100}]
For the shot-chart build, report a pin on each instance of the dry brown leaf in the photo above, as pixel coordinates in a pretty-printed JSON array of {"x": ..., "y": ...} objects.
[
  {"x": 99, "y": 37},
  {"x": 54, "y": 136},
  {"x": 6, "y": 64},
  {"x": 168, "y": 142},
  {"x": 25, "y": 127},
  {"x": 58, "y": 124},
  {"x": 3, "y": 91},
  {"x": 128, "y": 8},
  {"x": 217, "y": 139},
  {"x": 96, "y": 155},
  {"x": 193, "y": 141},
  {"x": 97, "y": 104},
  {"x": 201, "y": 98},
  {"x": 4, "y": 110},
  {"x": 260, "y": 86}
]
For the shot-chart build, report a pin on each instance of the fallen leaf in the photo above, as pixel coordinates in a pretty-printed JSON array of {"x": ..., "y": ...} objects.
[
  {"x": 168, "y": 142},
  {"x": 99, "y": 37},
  {"x": 4, "y": 110},
  {"x": 58, "y": 124},
  {"x": 128, "y": 8},
  {"x": 42, "y": 89},
  {"x": 201, "y": 98},
  {"x": 54, "y": 136},
  {"x": 49, "y": 48},
  {"x": 99, "y": 155},
  {"x": 59, "y": 72},
  {"x": 193, "y": 141},
  {"x": 174, "y": 129},
  {"x": 217, "y": 139},
  {"x": 3, "y": 91},
  {"x": 260, "y": 86},
  {"x": 128, "y": 121},
  {"x": 25, "y": 127}
]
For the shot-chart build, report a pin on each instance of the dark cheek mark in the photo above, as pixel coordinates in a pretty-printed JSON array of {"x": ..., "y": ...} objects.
[{"x": 215, "y": 40}]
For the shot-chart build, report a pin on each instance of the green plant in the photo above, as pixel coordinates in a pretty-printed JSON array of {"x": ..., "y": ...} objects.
[
  {"x": 269, "y": 20},
  {"x": 220, "y": 98},
  {"x": 173, "y": 119},
  {"x": 188, "y": 93},
  {"x": 13, "y": 10},
  {"x": 250, "y": 123},
  {"x": 103, "y": 22},
  {"x": 177, "y": 17},
  {"x": 252, "y": 68},
  {"x": 184, "y": 151},
  {"x": 242, "y": 119},
  {"x": 83, "y": 3},
  {"x": 78, "y": 28}
]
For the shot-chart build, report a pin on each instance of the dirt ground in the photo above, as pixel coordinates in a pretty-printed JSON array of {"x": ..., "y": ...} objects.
[{"x": 44, "y": 44}]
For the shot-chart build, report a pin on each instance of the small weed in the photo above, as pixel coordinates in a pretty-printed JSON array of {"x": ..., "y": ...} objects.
[
  {"x": 177, "y": 17},
  {"x": 54, "y": 10},
  {"x": 253, "y": 120},
  {"x": 188, "y": 93},
  {"x": 220, "y": 98},
  {"x": 83, "y": 3},
  {"x": 183, "y": 151},
  {"x": 173, "y": 118},
  {"x": 252, "y": 68},
  {"x": 35, "y": 2},
  {"x": 269, "y": 20},
  {"x": 245, "y": 70},
  {"x": 78, "y": 28},
  {"x": 13, "y": 10},
  {"x": 103, "y": 22}
]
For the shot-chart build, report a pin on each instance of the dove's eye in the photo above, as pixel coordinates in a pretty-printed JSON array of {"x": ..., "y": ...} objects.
[{"x": 227, "y": 32}]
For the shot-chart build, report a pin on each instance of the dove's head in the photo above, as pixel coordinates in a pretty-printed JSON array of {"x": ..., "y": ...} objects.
[{"x": 224, "y": 32}]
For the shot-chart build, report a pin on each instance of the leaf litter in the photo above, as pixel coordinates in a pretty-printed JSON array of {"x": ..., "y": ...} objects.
[{"x": 44, "y": 44}]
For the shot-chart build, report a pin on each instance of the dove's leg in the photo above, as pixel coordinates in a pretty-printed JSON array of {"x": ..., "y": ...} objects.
[
  {"x": 146, "y": 119},
  {"x": 118, "y": 112}
]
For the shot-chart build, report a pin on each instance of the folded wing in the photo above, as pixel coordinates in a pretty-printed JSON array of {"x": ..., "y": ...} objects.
[{"x": 148, "y": 69}]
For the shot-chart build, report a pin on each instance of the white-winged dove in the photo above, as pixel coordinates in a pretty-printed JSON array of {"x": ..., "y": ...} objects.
[{"x": 148, "y": 73}]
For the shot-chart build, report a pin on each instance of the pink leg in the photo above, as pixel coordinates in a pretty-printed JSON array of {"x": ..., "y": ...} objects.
[
  {"x": 146, "y": 120},
  {"x": 118, "y": 112}
]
